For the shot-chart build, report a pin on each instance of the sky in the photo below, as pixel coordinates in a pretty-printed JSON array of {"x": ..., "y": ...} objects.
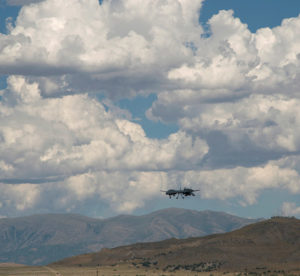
[{"x": 104, "y": 104}]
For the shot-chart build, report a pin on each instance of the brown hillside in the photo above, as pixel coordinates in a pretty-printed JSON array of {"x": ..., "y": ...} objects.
[{"x": 271, "y": 244}]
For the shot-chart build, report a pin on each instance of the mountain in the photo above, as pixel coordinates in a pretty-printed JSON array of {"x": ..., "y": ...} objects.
[
  {"x": 269, "y": 245},
  {"x": 41, "y": 239}
]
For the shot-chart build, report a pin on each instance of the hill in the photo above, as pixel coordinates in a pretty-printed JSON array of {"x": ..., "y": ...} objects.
[
  {"x": 261, "y": 247},
  {"x": 41, "y": 239}
]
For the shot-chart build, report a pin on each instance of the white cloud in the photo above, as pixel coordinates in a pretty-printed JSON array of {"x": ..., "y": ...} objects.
[
  {"x": 290, "y": 209},
  {"x": 74, "y": 152},
  {"x": 126, "y": 47},
  {"x": 243, "y": 182},
  {"x": 124, "y": 191},
  {"x": 75, "y": 133},
  {"x": 75, "y": 142},
  {"x": 236, "y": 60},
  {"x": 222, "y": 60},
  {"x": 234, "y": 95},
  {"x": 270, "y": 122},
  {"x": 119, "y": 45},
  {"x": 19, "y": 197},
  {"x": 240, "y": 93},
  {"x": 247, "y": 132}
]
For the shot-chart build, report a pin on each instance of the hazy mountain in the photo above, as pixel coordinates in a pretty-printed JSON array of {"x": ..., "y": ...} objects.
[
  {"x": 40, "y": 239},
  {"x": 261, "y": 247}
]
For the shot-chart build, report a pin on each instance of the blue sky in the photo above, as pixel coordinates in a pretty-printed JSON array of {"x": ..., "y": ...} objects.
[
  {"x": 109, "y": 105},
  {"x": 256, "y": 14}
]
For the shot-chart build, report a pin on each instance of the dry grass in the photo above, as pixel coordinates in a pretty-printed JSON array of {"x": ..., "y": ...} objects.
[
  {"x": 24, "y": 271},
  {"x": 119, "y": 270}
]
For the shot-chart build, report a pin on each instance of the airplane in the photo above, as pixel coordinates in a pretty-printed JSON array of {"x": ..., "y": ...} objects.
[{"x": 183, "y": 193}]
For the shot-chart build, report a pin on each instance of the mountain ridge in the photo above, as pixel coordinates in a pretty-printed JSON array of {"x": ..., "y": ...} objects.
[{"x": 44, "y": 238}]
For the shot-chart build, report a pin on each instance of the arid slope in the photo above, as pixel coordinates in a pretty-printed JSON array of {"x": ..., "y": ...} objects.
[{"x": 269, "y": 244}]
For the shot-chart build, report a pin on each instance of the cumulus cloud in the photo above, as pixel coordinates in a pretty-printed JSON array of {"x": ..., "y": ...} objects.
[
  {"x": 290, "y": 209},
  {"x": 136, "y": 187},
  {"x": 248, "y": 131},
  {"x": 124, "y": 191},
  {"x": 230, "y": 65},
  {"x": 127, "y": 45},
  {"x": 75, "y": 133},
  {"x": 73, "y": 151},
  {"x": 235, "y": 60},
  {"x": 19, "y": 197},
  {"x": 233, "y": 94},
  {"x": 243, "y": 182},
  {"x": 222, "y": 60},
  {"x": 241, "y": 91},
  {"x": 73, "y": 140}
]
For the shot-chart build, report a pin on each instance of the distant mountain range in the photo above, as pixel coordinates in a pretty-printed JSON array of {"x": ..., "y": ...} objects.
[
  {"x": 270, "y": 246},
  {"x": 41, "y": 239}
]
